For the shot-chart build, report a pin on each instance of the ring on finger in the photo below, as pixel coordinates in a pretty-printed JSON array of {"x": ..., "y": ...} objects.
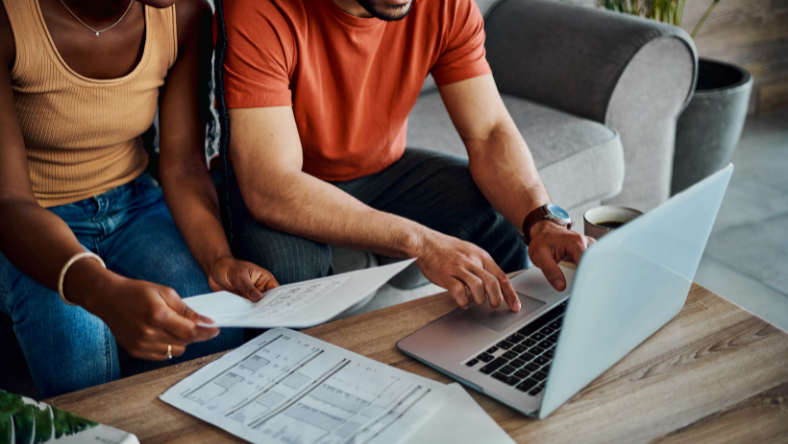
[{"x": 169, "y": 351}]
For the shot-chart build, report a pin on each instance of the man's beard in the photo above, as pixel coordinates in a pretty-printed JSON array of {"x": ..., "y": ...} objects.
[{"x": 384, "y": 12}]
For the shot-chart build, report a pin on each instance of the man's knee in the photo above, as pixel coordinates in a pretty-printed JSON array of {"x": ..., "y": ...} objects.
[
  {"x": 289, "y": 258},
  {"x": 508, "y": 250},
  {"x": 486, "y": 228},
  {"x": 300, "y": 260}
]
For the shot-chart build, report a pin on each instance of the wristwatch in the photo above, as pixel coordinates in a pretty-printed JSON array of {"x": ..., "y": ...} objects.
[{"x": 550, "y": 212}]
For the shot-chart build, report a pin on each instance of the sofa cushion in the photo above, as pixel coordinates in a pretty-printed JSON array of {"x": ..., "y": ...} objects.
[{"x": 579, "y": 160}]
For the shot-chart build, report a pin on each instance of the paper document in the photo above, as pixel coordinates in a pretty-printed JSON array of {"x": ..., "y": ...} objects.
[
  {"x": 460, "y": 421},
  {"x": 299, "y": 305},
  {"x": 287, "y": 387}
]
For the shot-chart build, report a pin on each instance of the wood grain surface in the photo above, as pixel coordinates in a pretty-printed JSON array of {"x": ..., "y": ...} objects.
[{"x": 714, "y": 374}]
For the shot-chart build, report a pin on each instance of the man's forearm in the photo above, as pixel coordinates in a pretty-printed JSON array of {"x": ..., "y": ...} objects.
[
  {"x": 500, "y": 162},
  {"x": 297, "y": 203},
  {"x": 504, "y": 170},
  {"x": 266, "y": 152}
]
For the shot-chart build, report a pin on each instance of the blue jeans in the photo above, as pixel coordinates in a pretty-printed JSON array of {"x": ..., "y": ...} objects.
[
  {"x": 66, "y": 347},
  {"x": 428, "y": 187}
]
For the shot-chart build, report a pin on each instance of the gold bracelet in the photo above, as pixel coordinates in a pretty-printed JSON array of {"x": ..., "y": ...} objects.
[{"x": 70, "y": 262}]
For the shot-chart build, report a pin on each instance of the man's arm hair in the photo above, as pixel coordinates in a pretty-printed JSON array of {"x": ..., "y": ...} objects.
[
  {"x": 266, "y": 152},
  {"x": 500, "y": 161},
  {"x": 503, "y": 168}
]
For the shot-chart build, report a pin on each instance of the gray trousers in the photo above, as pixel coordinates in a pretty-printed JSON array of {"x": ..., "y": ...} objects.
[{"x": 430, "y": 188}]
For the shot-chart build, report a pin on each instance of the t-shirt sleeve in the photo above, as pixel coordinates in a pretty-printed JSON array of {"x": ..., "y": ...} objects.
[
  {"x": 260, "y": 56},
  {"x": 463, "y": 55}
]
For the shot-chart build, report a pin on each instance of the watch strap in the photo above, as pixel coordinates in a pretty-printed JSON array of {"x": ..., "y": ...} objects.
[{"x": 538, "y": 214}]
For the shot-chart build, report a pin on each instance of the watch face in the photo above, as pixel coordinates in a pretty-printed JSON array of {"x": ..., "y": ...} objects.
[{"x": 557, "y": 212}]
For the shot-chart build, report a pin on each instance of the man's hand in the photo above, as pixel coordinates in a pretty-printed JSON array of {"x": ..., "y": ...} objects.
[
  {"x": 242, "y": 278},
  {"x": 552, "y": 244},
  {"x": 456, "y": 265},
  {"x": 145, "y": 318}
]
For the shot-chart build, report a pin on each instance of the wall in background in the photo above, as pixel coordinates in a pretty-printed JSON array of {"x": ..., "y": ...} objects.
[
  {"x": 749, "y": 33},
  {"x": 752, "y": 34}
]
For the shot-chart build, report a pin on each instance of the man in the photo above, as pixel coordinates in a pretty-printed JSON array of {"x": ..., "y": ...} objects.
[{"x": 319, "y": 92}]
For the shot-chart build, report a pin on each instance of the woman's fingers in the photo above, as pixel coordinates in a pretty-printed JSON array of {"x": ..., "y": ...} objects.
[
  {"x": 270, "y": 284},
  {"x": 263, "y": 279},
  {"x": 157, "y": 351},
  {"x": 181, "y": 321},
  {"x": 243, "y": 278},
  {"x": 185, "y": 330},
  {"x": 243, "y": 285},
  {"x": 177, "y": 305}
]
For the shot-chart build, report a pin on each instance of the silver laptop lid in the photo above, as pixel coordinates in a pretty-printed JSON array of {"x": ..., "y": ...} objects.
[{"x": 630, "y": 284}]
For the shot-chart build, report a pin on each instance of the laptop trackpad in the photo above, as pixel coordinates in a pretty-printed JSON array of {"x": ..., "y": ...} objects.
[{"x": 501, "y": 318}]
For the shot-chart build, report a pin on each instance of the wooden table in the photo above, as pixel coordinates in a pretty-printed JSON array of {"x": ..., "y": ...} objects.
[{"x": 713, "y": 374}]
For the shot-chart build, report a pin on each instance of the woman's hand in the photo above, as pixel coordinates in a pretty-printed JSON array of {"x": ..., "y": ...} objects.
[
  {"x": 145, "y": 318},
  {"x": 242, "y": 278}
]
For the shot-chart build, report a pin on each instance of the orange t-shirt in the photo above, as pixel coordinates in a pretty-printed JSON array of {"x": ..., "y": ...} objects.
[{"x": 351, "y": 81}]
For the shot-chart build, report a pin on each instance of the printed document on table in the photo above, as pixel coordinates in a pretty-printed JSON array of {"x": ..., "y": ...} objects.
[
  {"x": 299, "y": 305},
  {"x": 287, "y": 387}
]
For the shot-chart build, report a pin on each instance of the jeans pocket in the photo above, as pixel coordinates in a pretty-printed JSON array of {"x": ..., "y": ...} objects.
[{"x": 79, "y": 217}]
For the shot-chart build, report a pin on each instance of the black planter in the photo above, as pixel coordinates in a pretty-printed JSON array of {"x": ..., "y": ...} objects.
[{"x": 709, "y": 129}]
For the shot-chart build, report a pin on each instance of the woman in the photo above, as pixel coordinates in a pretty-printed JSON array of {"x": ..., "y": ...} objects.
[{"x": 80, "y": 82}]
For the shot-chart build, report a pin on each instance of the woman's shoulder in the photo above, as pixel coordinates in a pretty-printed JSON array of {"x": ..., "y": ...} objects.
[
  {"x": 7, "y": 45},
  {"x": 190, "y": 15}
]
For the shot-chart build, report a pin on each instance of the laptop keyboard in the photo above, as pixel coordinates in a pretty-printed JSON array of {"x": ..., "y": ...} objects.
[{"x": 523, "y": 359}]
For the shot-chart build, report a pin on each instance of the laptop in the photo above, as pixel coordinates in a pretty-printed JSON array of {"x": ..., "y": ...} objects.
[{"x": 626, "y": 287}]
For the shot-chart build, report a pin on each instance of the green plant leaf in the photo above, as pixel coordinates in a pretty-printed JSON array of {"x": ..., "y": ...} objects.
[
  {"x": 23, "y": 425},
  {"x": 43, "y": 425},
  {"x": 703, "y": 19},
  {"x": 32, "y": 424},
  {"x": 68, "y": 423},
  {"x": 5, "y": 427},
  {"x": 9, "y": 402},
  {"x": 20, "y": 414}
]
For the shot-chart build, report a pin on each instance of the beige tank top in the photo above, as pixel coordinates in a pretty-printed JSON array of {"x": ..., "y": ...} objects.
[{"x": 82, "y": 135}]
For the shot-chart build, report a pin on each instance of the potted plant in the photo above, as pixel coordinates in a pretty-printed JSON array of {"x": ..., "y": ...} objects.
[{"x": 709, "y": 128}]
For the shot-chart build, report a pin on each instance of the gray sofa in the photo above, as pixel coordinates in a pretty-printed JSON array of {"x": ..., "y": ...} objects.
[{"x": 595, "y": 94}]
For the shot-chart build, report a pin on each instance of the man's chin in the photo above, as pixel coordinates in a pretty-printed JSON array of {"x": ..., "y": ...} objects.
[
  {"x": 388, "y": 11},
  {"x": 158, "y": 4}
]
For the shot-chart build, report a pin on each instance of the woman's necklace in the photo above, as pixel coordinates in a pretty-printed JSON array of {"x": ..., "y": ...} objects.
[{"x": 131, "y": 2}]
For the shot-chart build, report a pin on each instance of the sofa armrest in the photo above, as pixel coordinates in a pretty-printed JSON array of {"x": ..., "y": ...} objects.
[{"x": 632, "y": 74}]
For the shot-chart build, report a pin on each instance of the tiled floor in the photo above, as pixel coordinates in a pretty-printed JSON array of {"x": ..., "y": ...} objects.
[{"x": 746, "y": 259}]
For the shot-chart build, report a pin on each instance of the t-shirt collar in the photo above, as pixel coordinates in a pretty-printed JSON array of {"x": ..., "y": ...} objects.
[{"x": 352, "y": 20}]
